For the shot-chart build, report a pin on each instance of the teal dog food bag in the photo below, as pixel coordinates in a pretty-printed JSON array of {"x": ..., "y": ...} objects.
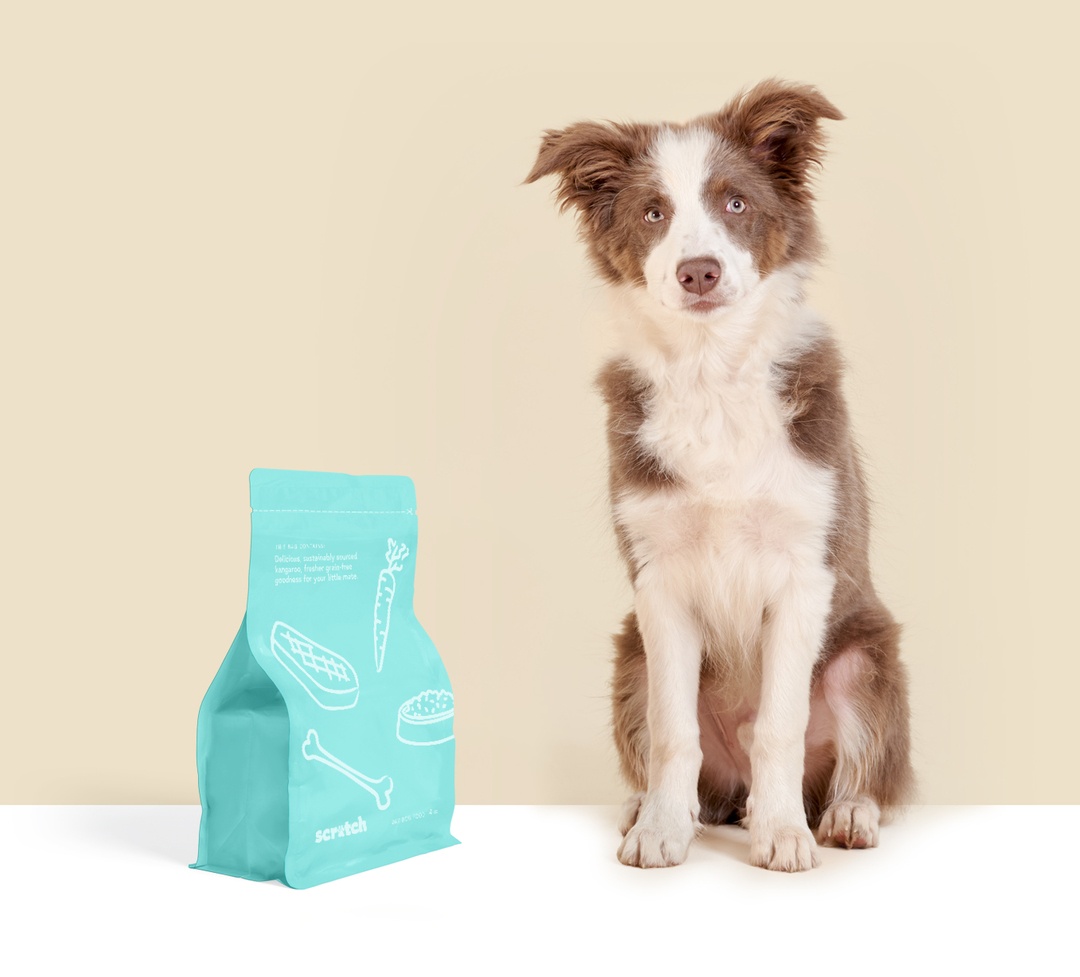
[{"x": 325, "y": 743}]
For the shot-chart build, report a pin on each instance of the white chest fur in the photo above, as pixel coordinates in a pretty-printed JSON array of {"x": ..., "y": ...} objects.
[{"x": 746, "y": 513}]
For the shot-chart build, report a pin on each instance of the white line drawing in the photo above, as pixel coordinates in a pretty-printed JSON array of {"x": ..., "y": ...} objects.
[
  {"x": 384, "y": 597},
  {"x": 325, "y": 675},
  {"x": 313, "y": 750},
  {"x": 427, "y": 719}
]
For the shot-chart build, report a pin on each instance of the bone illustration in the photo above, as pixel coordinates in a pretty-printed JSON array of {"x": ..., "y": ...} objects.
[
  {"x": 325, "y": 675},
  {"x": 384, "y": 597},
  {"x": 427, "y": 719},
  {"x": 378, "y": 787}
]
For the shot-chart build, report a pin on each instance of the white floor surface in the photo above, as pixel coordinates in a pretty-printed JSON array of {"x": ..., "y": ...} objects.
[{"x": 951, "y": 890}]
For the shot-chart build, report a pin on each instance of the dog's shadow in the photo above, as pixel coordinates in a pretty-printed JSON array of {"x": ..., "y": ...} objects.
[{"x": 729, "y": 840}]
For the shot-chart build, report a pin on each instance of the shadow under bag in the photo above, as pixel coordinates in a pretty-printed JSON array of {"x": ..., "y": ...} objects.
[{"x": 325, "y": 743}]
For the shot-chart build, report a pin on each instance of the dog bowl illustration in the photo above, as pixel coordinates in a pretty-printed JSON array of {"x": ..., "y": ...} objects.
[{"x": 427, "y": 719}]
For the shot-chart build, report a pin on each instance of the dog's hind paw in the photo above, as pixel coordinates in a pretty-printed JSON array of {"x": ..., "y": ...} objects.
[
  {"x": 629, "y": 814},
  {"x": 850, "y": 824}
]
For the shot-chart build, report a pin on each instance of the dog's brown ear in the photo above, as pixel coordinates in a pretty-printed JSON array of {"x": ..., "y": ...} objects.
[
  {"x": 779, "y": 123},
  {"x": 592, "y": 160}
]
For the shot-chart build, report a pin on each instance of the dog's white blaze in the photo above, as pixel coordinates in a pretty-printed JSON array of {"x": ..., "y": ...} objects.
[{"x": 683, "y": 160}]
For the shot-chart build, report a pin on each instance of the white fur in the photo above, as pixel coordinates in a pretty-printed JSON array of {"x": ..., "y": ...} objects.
[
  {"x": 669, "y": 812},
  {"x": 744, "y": 530},
  {"x": 682, "y": 160}
]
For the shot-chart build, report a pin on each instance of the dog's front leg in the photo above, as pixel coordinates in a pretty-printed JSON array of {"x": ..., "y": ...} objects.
[
  {"x": 779, "y": 836},
  {"x": 667, "y": 817}
]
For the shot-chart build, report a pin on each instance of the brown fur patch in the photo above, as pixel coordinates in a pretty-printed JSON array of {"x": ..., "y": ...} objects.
[
  {"x": 630, "y": 466},
  {"x": 629, "y": 701},
  {"x": 604, "y": 174},
  {"x": 772, "y": 137},
  {"x": 626, "y": 394},
  {"x": 819, "y": 427},
  {"x": 771, "y": 228},
  {"x": 882, "y": 769},
  {"x": 777, "y": 123}
]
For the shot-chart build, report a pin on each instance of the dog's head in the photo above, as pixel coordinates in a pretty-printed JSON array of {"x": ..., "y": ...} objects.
[{"x": 696, "y": 215}]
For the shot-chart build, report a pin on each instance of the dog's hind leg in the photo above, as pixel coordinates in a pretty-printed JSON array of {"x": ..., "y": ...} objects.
[
  {"x": 629, "y": 707},
  {"x": 864, "y": 686}
]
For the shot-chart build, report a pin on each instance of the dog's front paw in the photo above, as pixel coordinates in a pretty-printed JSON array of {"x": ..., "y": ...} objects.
[
  {"x": 850, "y": 824},
  {"x": 659, "y": 837},
  {"x": 789, "y": 848}
]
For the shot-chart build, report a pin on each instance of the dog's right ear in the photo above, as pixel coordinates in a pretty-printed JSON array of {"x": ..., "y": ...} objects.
[{"x": 593, "y": 160}]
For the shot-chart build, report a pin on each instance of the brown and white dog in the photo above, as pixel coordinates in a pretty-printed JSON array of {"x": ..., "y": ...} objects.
[{"x": 758, "y": 676}]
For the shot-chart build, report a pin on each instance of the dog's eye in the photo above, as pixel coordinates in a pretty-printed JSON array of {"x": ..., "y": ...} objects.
[
  {"x": 736, "y": 205},
  {"x": 653, "y": 215}
]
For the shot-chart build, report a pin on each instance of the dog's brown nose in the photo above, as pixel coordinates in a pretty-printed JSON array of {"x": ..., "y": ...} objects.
[{"x": 698, "y": 275}]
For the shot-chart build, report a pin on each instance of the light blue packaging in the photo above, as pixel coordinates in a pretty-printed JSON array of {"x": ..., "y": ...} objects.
[{"x": 325, "y": 743}]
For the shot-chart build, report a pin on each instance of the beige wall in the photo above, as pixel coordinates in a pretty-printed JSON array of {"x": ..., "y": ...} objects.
[{"x": 202, "y": 210}]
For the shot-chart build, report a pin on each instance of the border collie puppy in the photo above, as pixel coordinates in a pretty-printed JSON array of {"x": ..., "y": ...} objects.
[{"x": 758, "y": 676}]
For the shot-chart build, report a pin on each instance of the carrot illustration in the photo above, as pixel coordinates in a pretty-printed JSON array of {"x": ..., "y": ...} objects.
[{"x": 384, "y": 597}]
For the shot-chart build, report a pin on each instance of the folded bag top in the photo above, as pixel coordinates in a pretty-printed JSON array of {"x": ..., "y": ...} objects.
[{"x": 325, "y": 743}]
